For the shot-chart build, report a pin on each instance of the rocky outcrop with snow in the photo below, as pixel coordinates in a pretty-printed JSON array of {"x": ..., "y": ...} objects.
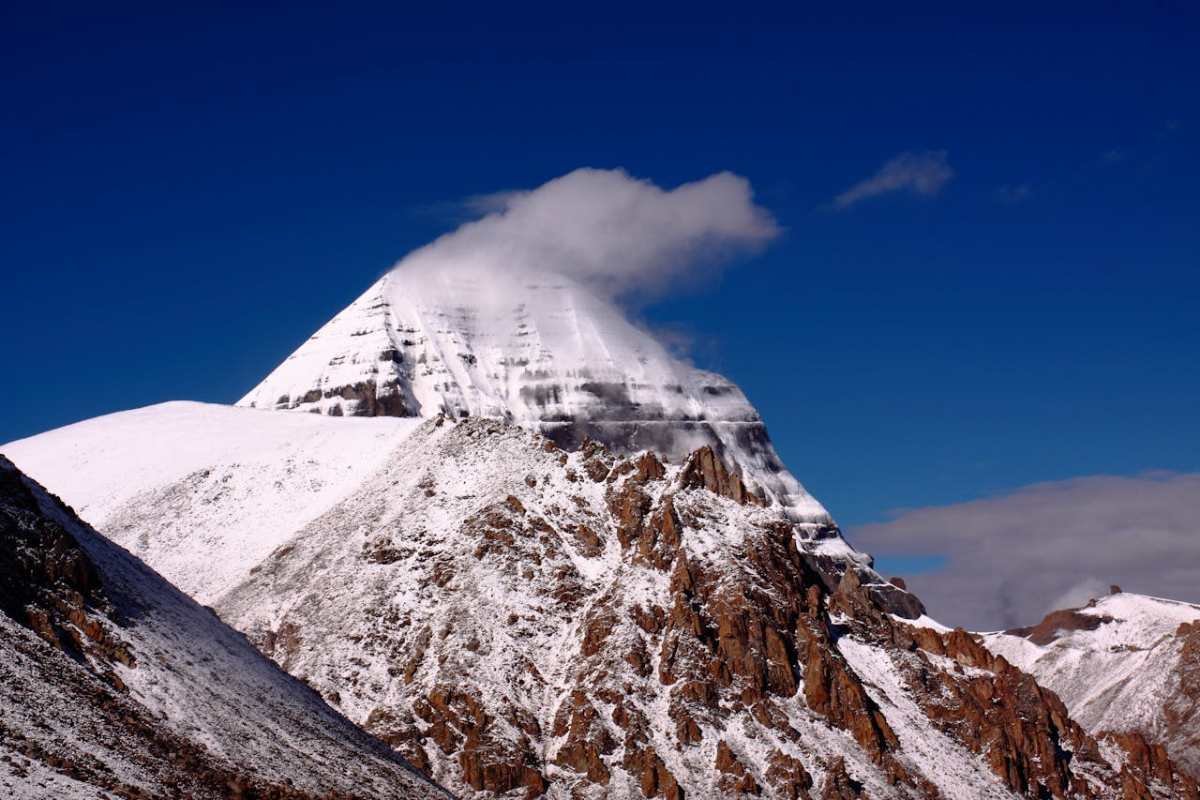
[
  {"x": 523, "y": 620},
  {"x": 548, "y": 354},
  {"x": 114, "y": 684},
  {"x": 1124, "y": 664}
]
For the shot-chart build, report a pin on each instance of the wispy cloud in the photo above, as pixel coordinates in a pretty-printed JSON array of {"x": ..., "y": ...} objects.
[
  {"x": 479, "y": 205},
  {"x": 1010, "y": 559},
  {"x": 620, "y": 236},
  {"x": 921, "y": 173}
]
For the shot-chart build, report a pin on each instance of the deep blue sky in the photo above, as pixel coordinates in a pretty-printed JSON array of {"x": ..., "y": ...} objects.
[{"x": 186, "y": 195}]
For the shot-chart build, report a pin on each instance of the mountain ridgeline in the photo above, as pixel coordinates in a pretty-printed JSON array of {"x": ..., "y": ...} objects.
[{"x": 525, "y": 547}]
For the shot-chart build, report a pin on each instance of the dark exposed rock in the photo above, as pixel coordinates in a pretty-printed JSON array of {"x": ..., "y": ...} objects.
[
  {"x": 788, "y": 777},
  {"x": 740, "y": 781},
  {"x": 48, "y": 583},
  {"x": 1058, "y": 623},
  {"x": 1182, "y": 716},
  {"x": 897, "y": 599}
]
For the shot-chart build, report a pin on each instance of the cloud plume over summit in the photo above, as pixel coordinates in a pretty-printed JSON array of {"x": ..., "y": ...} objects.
[{"x": 618, "y": 235}]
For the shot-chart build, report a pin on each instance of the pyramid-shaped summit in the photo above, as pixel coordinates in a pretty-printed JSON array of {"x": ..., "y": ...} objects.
[{"x": 541, "y": 351}]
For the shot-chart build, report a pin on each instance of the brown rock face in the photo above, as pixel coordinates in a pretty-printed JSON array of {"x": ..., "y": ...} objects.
[
  {"x": 740, "y": 781},
  {"x": 587, "y": 738},
  {"x": 1060, "y": 623},
  {"x": 704, "y": 470},
  {"x": 656, "y": 780},
  {"x": 1182, "y": 714},
  {"x": 458, "y": 724},
  {"x": 788, "y": 777}
]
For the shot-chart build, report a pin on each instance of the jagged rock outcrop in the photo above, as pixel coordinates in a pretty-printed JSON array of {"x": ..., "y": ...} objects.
[{"x": 50, "y": 585}]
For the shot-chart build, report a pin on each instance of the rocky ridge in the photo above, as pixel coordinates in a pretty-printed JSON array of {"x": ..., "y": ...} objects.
[{"x": 522, "y": 620}]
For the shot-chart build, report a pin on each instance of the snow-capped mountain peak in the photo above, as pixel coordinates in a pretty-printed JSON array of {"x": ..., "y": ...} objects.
[{"x": 537, "y": 349}]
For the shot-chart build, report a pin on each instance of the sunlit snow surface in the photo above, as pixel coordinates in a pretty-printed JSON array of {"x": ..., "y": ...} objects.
[
  {"x": 218, "y": 487},
  {"x": 545, "y": 351}
]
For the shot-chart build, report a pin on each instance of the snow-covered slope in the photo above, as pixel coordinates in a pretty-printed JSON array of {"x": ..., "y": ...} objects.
[
  {"x": 547, "y": 354},
  {"x": 204, "y": 492},
  {"x": 112, "y": 682},
  {"x": 1126, "y": 662}
]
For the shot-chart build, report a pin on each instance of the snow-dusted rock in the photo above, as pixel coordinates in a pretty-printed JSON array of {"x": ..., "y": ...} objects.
[
  {"x": 540, "y": 556},
  {"x": 1126, "y": 662},
  {"x": 523, "y": 620}
]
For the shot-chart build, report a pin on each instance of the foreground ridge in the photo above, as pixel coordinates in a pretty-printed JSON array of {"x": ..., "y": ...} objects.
[{"x": 113, "y": 684}]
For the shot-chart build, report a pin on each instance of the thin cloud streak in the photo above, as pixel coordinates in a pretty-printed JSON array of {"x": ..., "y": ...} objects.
[{"x": 923, "y": 173}]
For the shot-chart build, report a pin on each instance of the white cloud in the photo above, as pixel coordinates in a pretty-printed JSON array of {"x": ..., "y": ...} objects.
[
  {"x": 922, "y": 173},
  {"x": 618, "y": 235},
  {"x": 1011, "y": 559}
]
